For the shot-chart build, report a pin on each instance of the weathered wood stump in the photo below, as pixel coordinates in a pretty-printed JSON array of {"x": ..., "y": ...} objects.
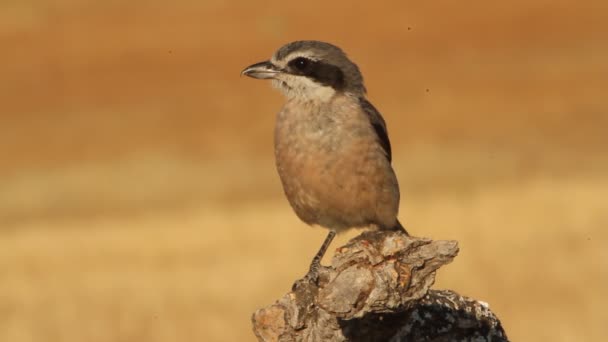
[{"x": 378, "y": 289}]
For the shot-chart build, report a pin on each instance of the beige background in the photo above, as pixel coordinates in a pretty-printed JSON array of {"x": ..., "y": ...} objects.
[{"x": 138, "y": 197}]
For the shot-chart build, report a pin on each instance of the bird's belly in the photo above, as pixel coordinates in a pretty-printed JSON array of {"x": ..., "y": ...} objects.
[{"x": 338, "y": 184}]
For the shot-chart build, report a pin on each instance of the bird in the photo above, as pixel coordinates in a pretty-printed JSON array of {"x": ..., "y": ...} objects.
[{"x": 332, "y": 150}]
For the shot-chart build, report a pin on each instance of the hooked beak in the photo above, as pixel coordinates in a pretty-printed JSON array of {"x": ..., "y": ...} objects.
[{"x": 262, "y": 70}]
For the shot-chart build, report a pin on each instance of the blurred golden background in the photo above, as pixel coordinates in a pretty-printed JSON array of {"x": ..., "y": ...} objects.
[{"x": 138, "y": 196}]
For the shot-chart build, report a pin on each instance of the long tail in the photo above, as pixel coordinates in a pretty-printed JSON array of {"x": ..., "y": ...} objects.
[{"x": 399, "y": 226}]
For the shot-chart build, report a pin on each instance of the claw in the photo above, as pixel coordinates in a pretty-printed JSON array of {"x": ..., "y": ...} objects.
[{"x": 312, "y": 278}]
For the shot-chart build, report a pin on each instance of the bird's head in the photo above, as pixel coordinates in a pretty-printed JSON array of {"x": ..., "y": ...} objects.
[{"x": 310, "y": 70}]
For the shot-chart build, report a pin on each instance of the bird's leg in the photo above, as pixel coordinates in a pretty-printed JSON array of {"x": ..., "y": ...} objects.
[
  {"x": 313, "y": 272},
  {"x": 316, "y": 261}
]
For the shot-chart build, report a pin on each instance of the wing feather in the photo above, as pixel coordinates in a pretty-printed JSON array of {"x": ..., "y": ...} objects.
[{"x": 379, "y": 125}]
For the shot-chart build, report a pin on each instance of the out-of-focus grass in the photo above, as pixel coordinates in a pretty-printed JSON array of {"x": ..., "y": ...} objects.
[{"x": 532, "y": 246}]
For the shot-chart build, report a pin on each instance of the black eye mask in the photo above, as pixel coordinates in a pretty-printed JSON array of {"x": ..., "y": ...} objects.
[{"x": 320, "y": 72}]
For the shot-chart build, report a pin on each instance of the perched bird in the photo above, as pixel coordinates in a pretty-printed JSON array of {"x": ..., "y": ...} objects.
[{"x": 332, "y": 149}]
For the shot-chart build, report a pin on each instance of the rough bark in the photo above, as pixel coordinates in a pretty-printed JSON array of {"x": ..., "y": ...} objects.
[{"x": 378, "y": 289}]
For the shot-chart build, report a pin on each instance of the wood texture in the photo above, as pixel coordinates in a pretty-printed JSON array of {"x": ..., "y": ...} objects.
[{"x": 378, "y": 289}]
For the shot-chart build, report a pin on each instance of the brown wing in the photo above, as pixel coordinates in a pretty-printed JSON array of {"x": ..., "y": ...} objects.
[{"x": 377, "y": 121}]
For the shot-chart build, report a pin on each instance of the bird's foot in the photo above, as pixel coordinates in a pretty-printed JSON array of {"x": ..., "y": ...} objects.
[{"x": 311, "y": 278}]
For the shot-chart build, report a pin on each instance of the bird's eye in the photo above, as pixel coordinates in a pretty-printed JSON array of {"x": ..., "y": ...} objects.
[{"x": 300, "y": 63}]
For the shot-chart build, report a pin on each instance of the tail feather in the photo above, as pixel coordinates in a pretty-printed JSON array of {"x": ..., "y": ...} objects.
[{"x": 399, "y": 226}]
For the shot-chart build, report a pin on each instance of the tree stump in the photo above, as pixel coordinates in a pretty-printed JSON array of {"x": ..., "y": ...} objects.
[{"x": 378, "y": 289}]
